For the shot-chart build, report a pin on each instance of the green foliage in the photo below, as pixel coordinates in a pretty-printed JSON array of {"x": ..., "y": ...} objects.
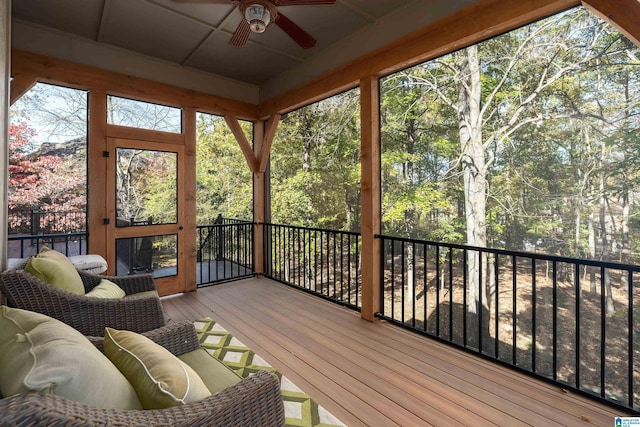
[
  {"x": 559, "y": 118},
  {"x": 223, "y": 178},
  {"x": 315, "y": 165}
]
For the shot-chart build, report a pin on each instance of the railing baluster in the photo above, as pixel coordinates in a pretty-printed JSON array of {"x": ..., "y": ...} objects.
[
  {"x": 341, "y": 266},
  {"x": 403, "y": 285},
  {"x": 534, "y": 325},
  {"x": 437, "y": 290},
  {"x": 335, "y": 275},
  {"x": 630, "y": 344},
  {"x": 328, "y": 259},
  {"x": 357, "y": 258},
  {"x": 577, "y": 307},
  {"x": 480, "y": 305},
  {"x": 603, "y": 337},
  {"x": 450, "y": 294},
  {"x": 413, "y": 284},
  {"x": 465, "y": 266},
  {"x": 425, "y": 288},
  {"x": 514, "y": 309},
  {"x": 393, "y": 279},
  {"x": 349, "y": 268},
  {"x": 496, "y": 273},
  {"x": 554, "y": 312}
]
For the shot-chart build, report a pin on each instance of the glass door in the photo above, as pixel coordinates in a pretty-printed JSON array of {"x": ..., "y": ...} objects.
[{"x": 145, "y": 198}]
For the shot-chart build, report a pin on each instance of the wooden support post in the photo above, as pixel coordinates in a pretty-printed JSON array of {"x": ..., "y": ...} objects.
[
  {"x": 258, "y": 201},
  {"x": 5, "y": 73},
  {"x": 189, "y": 221},
  {"x": 262, "y": 150},
  {"x": 97, "y": 185},
  {"x": 370, "y": 199}
]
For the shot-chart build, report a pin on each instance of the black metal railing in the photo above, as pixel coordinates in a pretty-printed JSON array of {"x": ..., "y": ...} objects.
[
  {"x": 225, "y": 251},
  {"x": 570, "y": 321},
  {"x": 33, "y": 221},
  {"x": 69, "y": 244},
  {"x": 324, "y": 262}
]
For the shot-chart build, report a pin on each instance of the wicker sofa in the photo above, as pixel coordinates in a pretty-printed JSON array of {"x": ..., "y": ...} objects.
[
  {"x": 254, "y": 401},
  {"x": 88, "y": 315}
]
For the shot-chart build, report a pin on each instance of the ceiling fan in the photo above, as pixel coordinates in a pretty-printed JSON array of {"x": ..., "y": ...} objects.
[{"x": 259, "y": 14}]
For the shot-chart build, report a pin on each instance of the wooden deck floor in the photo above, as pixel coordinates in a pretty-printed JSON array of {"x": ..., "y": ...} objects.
[{"x": 376, "y": 374}]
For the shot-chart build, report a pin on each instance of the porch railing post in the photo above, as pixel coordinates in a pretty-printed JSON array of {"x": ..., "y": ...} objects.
[
  {"x": 370, "y": 199},
  {"x": 259, "y": 199},
  {"x": 5, "y": 74}
]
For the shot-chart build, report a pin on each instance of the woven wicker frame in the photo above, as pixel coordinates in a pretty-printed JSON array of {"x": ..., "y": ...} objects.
[
  {"x": 254, "y": 401},
  {"x": 87, "y": 315}
]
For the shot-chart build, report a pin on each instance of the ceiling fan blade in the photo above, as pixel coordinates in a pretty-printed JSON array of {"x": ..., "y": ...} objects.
[
  {"x": 206, "y": 1},
  {"x": 305, "y": 2},
  {"x": 241, "y": 34},
  {"x": 299, "y": 35}
]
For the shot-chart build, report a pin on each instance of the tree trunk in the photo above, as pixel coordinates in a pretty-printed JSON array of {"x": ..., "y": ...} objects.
[
  {"x": 592, "y": 252},
  {"x": 624, "y": 255},
  {"x": 603, "y": 230},
  {"x": 473, "y": 163},
  {"x": 410, "y": 213}
]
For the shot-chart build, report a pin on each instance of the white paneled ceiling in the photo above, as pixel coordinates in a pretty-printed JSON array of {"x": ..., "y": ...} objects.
[{"x": 196, "y": 35}]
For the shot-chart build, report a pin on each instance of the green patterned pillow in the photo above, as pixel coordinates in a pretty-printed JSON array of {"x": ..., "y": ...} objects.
[
  {"x": 54, "y": 268},
  {"x": 216, "y": 375},
  {"x": 41, "y": 354},
  {"x": 106, "y": 289},
  {"x": 160, "y": 379}
]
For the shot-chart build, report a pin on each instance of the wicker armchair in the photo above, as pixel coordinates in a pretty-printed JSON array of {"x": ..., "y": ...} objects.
[
  {"x": 254, "y": 401},
  {"x": 87, "y": 315}
]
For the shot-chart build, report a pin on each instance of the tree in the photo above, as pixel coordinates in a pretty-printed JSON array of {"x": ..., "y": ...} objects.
[
  {"x": 48, "y": 176},
  {"x": 532, "y": 109},
  {"x": 224, "y": 181},
  {"x": 315, "y": 171},
  {"x": 41, "y": 182}
]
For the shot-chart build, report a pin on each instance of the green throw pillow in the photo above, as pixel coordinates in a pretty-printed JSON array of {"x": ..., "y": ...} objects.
[
  {"x": 216, "y": 375},
  {"x": 160, "y": 379},
  {"x": 144, "y": 294},
  {"x": 54, "y": 268},
  {"x": 38, "y": 353},
  {"x": 106, "y": 289}
]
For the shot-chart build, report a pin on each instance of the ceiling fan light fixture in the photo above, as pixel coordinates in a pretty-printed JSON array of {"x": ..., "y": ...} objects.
[
  {"x": 258, "y": 14},
  {"x": 258, "y": 17}
]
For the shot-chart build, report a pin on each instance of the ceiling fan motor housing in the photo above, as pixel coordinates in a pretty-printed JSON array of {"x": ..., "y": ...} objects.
[{"x": 258, "y": 13}]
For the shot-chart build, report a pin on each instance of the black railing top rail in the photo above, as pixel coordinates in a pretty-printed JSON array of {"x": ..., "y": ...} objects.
[
  {"x": 221, "y": 225},
  {"x": 230, "y": 220},
  {"x": 236, "y": 220},
  {"x": 41, "y": 211},
  {"x": 49, "y": 236},
  {"x": 537, "y": 256},
  {"x": 299, "y": 227},
  {"x": 47, "y": 211}
]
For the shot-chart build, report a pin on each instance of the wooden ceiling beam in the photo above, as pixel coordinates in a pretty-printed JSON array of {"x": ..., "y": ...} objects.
[
  {"x": 58, "y": 71},
  {"x": 265, "y": 150},
  {"x": 245, "y": 146},
  {"x": 20, "y": 84}
]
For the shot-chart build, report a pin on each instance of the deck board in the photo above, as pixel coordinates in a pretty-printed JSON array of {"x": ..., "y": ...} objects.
[{"x": 376, "y": 373}]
